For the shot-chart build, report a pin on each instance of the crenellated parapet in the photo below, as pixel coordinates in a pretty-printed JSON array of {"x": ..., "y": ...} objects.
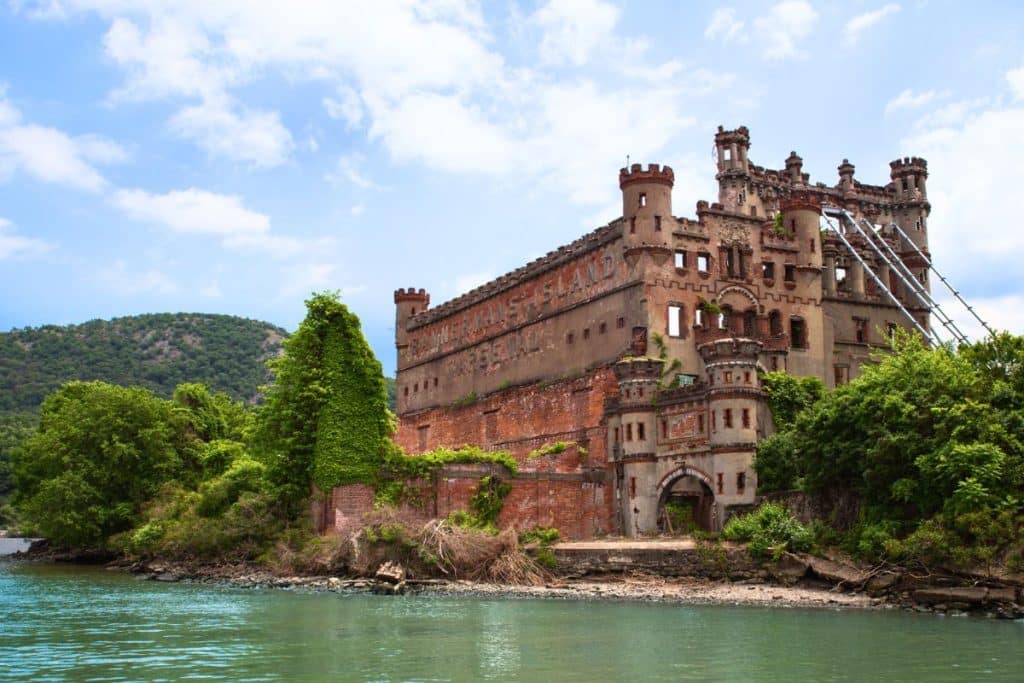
[
  {"x": 412, "y": 294},
  {"x": 655, "y": 173}
]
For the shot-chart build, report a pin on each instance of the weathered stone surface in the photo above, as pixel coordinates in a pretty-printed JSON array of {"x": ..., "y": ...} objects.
[
  {"x": 836, "y": 572},
  {"x": 391, "y": 573},
  {"x": 788, "y": 569},
  {"x": 882, "y": 583},
  {"x": 970, "y": 595}
]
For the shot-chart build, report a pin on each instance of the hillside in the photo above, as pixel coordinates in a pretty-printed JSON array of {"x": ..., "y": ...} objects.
[{"x": 156, "y": 351}]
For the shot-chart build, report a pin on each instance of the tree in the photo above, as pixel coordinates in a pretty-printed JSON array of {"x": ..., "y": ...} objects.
[
  {"x": 325, "y": 420},
  {"x": 100, "y": 453}
]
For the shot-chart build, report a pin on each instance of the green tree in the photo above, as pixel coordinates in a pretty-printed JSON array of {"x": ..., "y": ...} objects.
[
  {"x": 100, "y": 453},
  {"x": 325, "y": 420}
]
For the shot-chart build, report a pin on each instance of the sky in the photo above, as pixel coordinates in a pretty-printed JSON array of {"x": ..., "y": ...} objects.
[{"x": 235, "y": 156}]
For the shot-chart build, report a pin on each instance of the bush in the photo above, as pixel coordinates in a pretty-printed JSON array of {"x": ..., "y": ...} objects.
[
  {"x": 770, "y": 529},
  {"x": 540, "y": 534}
]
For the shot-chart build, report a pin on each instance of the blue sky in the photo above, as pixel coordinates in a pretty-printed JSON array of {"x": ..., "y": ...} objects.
[{"x": 234, "y": 156}]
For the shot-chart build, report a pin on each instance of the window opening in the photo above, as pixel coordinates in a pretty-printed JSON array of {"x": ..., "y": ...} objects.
[
  {"x": 640, "y": 436},
  {"x": 680, "y": 259},
  {"x": 727, "y": 418},
  {"x": 643, "y": 199},
  {"x": 657, "y": 224},
  {"x": 700, "y": 423},
  {"x": 797, "y": 333},
  {"x": 746, "y": 417},
  {"x": 704, "y": 262},
  {"x": 768, "y": 270},
  {"x": 629, "y": 431},
  {"x": 675, "y": 320},
  {"x": 741, "y": 481},
  {"x": 721, "y": 484},
  {"x": 602, "y": 328},
  {"x": 790, "y": 274}
]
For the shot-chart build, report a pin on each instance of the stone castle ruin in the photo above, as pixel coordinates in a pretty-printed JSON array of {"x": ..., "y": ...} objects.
[{"x": 637, "y": 347}]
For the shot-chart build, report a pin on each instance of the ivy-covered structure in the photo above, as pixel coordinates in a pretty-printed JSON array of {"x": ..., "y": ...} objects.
[{"x": 641, "y": 342}]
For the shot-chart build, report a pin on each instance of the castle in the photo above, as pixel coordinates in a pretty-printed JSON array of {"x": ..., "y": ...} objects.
[{"x": 622, "y": 370}]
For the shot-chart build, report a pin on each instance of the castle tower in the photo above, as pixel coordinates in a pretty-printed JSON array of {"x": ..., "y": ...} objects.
[
  {"x": 408, "y": 302},
  {"x": 732, "y": 147},
  {"x": 795, "y": 168},
  {"x": 846, "y": 170},
  {"x": 735, "y": 405},
  {"x": 801, "y": 217},
  {"x": 633, "y": 437},
  {"x": 647, "y": 204},
  {"x": 912, "y": 208}
]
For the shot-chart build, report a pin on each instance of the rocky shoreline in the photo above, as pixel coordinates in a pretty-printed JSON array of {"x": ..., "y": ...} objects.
[{"x": 795, "y": 581}]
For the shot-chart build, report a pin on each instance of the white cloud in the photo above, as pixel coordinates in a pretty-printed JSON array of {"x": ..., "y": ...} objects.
[
  {"x": 211, "y": 290},
  {"x": 859, "y": 24},
  {"x": 424, "y": 80},
  {"x": 305, "y": 278},
  {"x": 349, "y": 108},
  {"x": 122, "y": 281},
  {"x": 972, "y": 154},
  {"x": 724, "y": 25},
  {"x": 573, "y": 29},
  {"x": 253, "y": 137},
  {"x": 194, "y": 211},
  {"x": 357, "y": 210},
  {"x": 15, "y": 246},
  {"x": 348, "y": 170},
  {"x": 785, "y": 25},
  {"x": 1015, "y": 77},
  {"x": 908, "y": 99},
  {"x": 51, "y": 155}
]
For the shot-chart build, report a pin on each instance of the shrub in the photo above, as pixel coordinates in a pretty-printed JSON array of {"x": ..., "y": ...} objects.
[{"x": 771, "y": 529}]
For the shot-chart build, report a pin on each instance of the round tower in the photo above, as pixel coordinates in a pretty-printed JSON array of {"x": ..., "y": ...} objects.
[
  {"x": 911, "y": 210},
  {"x": 408, "y": 302},
  {"x": 795, "y": 168},
  {"x": 801, "y": 217},
  {"x": 632, "y": 431},
  {"x": 647, "y": 204},
  {"x": 846, "y": 170},
  {"x": 735, "y": 406}
]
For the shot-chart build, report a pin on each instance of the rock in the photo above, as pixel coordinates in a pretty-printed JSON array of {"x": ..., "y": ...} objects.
[
  {"x": 970, "y": 595},
  {"x": 391, "y": 573},
  {"x": 835, "y": 572},
  {"x": 882, "y": 583},
  {"x": 1001, "y": 595},
  {"x": 168, "y": 577},
  {"x": 789, "y": 569}
]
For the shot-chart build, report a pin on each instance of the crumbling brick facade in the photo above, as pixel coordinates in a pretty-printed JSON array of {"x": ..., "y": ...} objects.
[{"x": 563, "y": 348}]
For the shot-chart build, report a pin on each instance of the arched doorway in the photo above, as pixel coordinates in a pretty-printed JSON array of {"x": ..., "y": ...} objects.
[{"x": 686, "y": 502}]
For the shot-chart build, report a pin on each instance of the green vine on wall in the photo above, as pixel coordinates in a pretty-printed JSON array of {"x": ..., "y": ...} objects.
[{"x": 556, "y": 448}]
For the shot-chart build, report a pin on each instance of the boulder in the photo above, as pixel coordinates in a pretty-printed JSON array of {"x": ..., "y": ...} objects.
[
  {"x": 390, "y": 572},
  {"x": 882, "y": 583},
  {"x": 974, "y": 595},
  {"x": 788, "y": 569},
  {"x": 836, "y": 572}
]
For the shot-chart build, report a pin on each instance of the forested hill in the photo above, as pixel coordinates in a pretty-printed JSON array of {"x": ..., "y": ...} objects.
[{"x": 156, "y": 351}]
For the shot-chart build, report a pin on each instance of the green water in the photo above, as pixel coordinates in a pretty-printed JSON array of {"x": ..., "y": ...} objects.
[{"x": 59, "y": 623}]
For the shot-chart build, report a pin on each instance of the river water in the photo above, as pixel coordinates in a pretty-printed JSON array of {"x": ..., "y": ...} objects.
[{"x": 74, "y": 624}]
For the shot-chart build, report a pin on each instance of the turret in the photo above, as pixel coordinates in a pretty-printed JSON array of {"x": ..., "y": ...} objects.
[
  {"x": 732, "y": 147},
  {"x": 846, "y": 176},
  {"x": 734, "y": 393},
  {"x": 638, "y": 380},
  {"x": 912, "y": 208},
  {"x": 795, "y": 168},
  {"x": 647, "y": 204},
  {"x": 408, "y": 302},
  {"x": 801, "y": 217}
]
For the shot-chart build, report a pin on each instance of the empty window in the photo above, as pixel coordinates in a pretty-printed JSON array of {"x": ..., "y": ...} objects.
[
  {"x": 629, "y": 432},
  {"x": 675, "y": 320},
  {"x": 704, "y": 262},
  {"x": 422, "y": 433},
  {"x": 640, "y": 436},
  {"x": 435, "y": 381},
  {"x": 657, "y": 224},
  {"x": 698, "y": 318},
  {"x": 664, "y": 429},
  {"x": 632, "y": 224},
  {"x": 643, "y": 199},
  {"x": 406, "y": 392},
  {"x": 602, "y": 328},
  {"x": 721, "y": 483},
  {"x": 570, "y": 338},
  {"x": 700, "y": 423},
  {"x": 728, "y": 377},
  {"x": 680, "y": 259},
  {"x": 797, "y": 333},
  {"x": 727, "y": 418},
  {"x": 616, "y": 435},
  {"x": 586, "y": 333},
  {"x": 746, "y": 417},
  {"x": 714, "y": 421},
  {"x": 640, "y": 392},
  {"x": 632, "y": 487},
  {"x": 890, "y": 330},
  {"x": 415, "y": 387},
  {"x": 861, "y": 328},
  {"x": 768, "y": 270},
  {"x": 839, "y": 373},
  {"x": 753, "y": 210},
  {"x": 840, "y": 277},
  {"x": 727, "y": 154},
  {"x": 620, "y": 323},
  {"x": 790, "y": 274},
  {"x": 775, "y": 363},
  {"x": 746, "y": 378},
  {"x": 775, "y": 323},
  {"x": 741, "y": 481}
]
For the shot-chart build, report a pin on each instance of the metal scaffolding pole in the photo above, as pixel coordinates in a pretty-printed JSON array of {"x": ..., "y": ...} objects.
[{"x": 827, "y": 224}]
